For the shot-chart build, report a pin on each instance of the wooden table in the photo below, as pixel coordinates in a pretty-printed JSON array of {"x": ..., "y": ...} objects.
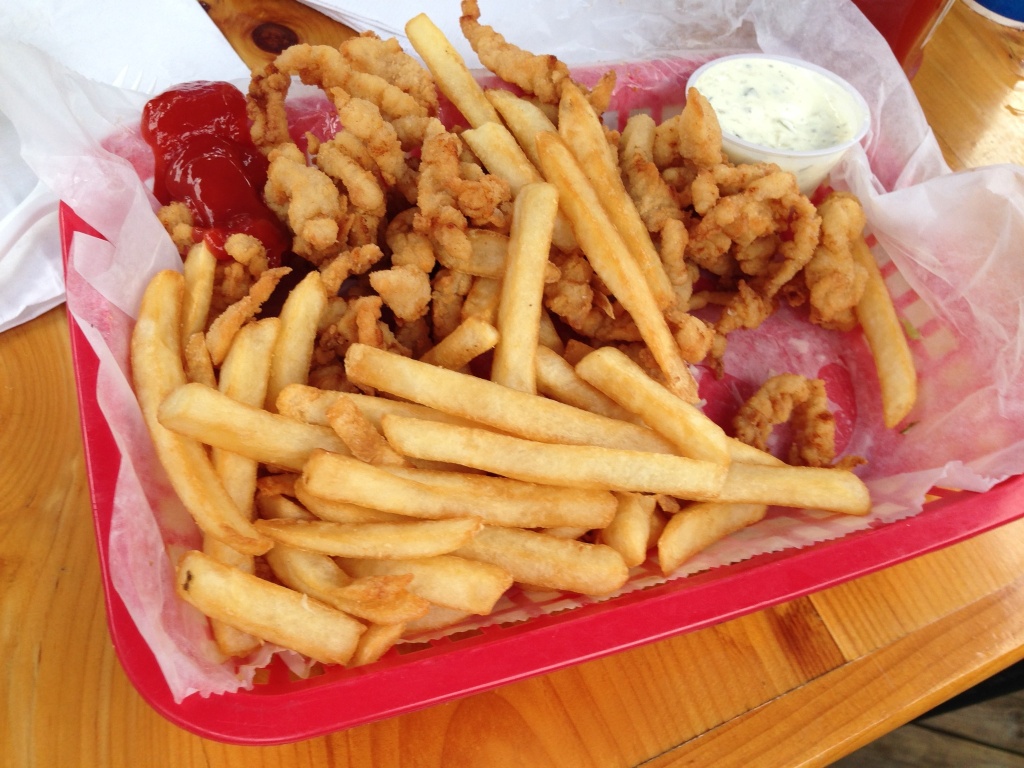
[{"x": 799, "y": 684}]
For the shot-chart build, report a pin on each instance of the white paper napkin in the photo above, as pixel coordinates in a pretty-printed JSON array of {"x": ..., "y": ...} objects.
[{"x": 141, "y": 48}]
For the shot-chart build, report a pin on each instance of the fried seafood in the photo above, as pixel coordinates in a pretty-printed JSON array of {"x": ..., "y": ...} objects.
[
  {"x": 803, "y": 403},
  {"x": 835, "y": 281},
  {"x": 541, "y": 75}
]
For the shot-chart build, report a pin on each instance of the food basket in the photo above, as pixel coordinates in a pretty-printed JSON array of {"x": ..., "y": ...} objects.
[{"x": 283, "y": 707}]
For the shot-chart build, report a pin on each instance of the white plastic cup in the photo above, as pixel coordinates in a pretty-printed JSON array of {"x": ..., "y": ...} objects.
[{"x": 811, "y": 166}]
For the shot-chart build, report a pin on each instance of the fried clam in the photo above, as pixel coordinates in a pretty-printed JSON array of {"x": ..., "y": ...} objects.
[
  {"x": 803, "y": 403},
  {"x": 540, "y": 75}
]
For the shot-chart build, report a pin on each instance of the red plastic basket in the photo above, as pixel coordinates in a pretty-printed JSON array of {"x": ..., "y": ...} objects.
[{"x": 282, "y": 708}]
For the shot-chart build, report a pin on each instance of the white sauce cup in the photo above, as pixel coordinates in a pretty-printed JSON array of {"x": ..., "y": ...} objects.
[{"x": 778, "y": 109}]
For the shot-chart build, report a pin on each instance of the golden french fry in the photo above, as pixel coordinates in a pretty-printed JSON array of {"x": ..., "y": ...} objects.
[
  {"x": 482, "y": 300},
  {"x": 377, "y": 599},
  {"x": 416, "y": 538},
  {"x": 831, "y": 490},
  {"x": 266, "y": 610},
  {"x": 359, "y": 434},
  {"x": 575, "y": 466},
  {"x": 581, "y": 129},
  {"x": 522, "y": 289},
  {"x": 470, "y": 339},
  {"x": 157, "y": 370},
  {"x": 209, "y": 417},
  {"x": 691, "y": 432},
  {"x": 438, "y": 617},
  {"x": 243, "y": 377},
  {"x": 630, "y": 531},
  {"x": 884, "y": 333},
  {"x": 700, "y": 525},
  {"x": 519, "y": 413},
  {"x": 222, "y": 331},
  {"x": 377, "y": 640},
  {"x": 293, "y": 350},
  {"x": 612, "y": 261},
  {"x": 524, "y": 119},
  {"x": 437, "y": 495},
  {"x": 447, "y": 580},
  {"x": 198, "y": 365},
  {"x": 310, "y": 404},
  {"x": 557, "y": 379},
  {"x": 230, "y": 640},
  {"x": 341, "y": 511},
  {"x": 449, "y": 69},
  {"x": 199, "y": 270},
  {"x": 540, "y": 560},
  {"x": 549, "y": 334}
]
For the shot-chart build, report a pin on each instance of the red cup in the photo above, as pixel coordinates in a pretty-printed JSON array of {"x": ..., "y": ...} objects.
[{"x": 906, "y": 25}]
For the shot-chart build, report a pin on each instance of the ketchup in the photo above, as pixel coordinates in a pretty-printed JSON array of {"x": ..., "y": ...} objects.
[{"x": 206, "y": 159}]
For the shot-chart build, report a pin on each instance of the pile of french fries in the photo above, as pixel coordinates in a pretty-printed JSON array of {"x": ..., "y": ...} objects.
[{"x": 336, "y": 524}]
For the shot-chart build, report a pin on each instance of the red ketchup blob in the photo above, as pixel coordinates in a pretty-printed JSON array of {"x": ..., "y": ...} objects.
[{"x": 206, "y": 159}]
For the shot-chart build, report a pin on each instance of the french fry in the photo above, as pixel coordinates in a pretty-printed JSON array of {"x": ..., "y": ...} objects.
[
  {"x": 831, "y": 490},
  {"x": 359, "y": 434},
  {"x": 630, "y": 531},
  {"x": 341, "y": 511},
  {"x": 557, "y": 379},
  {"x": 207, "y": 416},
  {"x": 293, "y": 350},
  {"x": 581, "y": 129},
  {"x": 243, "y": 377},
  {"x": 893, "y": 360},
  {"x": 522, "y": 289},
  {"x": 449, "y": 69},
  {"x": 700, "y": 525},
  {"x": 519, "y": 413},
  {"x": 612, "y": 261},
  {"x": 482, "y": 300},
  {"x": 575, "y": 466},
  {"x": 548, "y": 334},
  {"x": 539, "y": 560},
  {"x": 377, "y": 599},
  {"x": 437, "y": 495},
  {"x": 377, "y": 640},
  {"x": 230, "y": 640},
  {"x": 470, "y": 339},
  {"x": 438, "y": 617},
  {"x": 266, "y": 610},
  {"x": 198, "y": 365},
  {"x": 416, "y": 538},
  {"x": 691, "y": 432},
  {"x": 524, "y": 119},
  {"x": 157, "y": 370},
  {"x": 199, "y": 270},
  {"x": 446, "y": 580},
  {"x": 310, "y": 404}
]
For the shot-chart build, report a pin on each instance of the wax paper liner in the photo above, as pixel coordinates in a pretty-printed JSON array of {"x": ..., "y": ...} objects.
[{"x": 947, "y": 243}]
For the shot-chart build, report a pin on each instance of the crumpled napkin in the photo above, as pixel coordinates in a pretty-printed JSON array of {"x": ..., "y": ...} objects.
[{"x": 110, "y": 41}]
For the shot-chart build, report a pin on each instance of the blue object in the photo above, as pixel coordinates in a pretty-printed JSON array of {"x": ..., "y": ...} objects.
[{"x": 1008, "y": 9}]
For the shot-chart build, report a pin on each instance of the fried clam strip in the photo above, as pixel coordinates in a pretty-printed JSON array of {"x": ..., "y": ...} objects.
[
  {"x": 386, "y": 59},
  {"x": 835, "y": 279},
  {"x": 156, "y": 371},
  {"x": 541, "y": 75},
  {"x": 804, "y": 403},
  {"x": 434, "y": 495}
]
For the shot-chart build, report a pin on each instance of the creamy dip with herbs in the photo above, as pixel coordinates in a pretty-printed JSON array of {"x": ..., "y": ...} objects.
[{"x": 778, "y": 104}]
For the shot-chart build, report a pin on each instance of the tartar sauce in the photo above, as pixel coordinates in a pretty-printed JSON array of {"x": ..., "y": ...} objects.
[{"x": 777, "y": 104}]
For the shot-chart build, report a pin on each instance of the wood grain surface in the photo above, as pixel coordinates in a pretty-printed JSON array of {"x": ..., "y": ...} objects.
[{"x": 800, "y": 684}]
